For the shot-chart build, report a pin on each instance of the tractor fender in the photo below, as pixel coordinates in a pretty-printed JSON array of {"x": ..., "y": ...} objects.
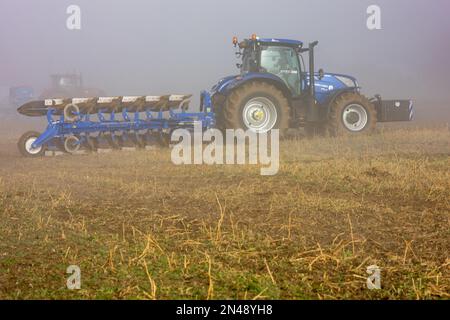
[
  {"x": 238, "y": 81},
  {"x": 335, "y": 95}
]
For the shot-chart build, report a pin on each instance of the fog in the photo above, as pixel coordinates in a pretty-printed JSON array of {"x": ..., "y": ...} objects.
[{"x": 156, "y": 47}]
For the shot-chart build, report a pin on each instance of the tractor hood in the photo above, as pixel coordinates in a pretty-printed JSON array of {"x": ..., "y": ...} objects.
[
  {"x": 333, "y": 81},
  {"x": 329, "y": 84}
]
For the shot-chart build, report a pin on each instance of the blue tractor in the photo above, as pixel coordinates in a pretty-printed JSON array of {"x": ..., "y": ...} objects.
[{"x": 274, "y": 90}]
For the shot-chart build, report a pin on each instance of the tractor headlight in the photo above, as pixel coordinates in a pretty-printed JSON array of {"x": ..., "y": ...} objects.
[{"x": 347, "y": 81}]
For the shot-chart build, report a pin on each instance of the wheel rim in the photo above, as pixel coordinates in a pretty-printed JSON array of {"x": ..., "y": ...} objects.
[
  {"x": 71, "y": 112},
  {"x": 72, "y": 144},
  {"x": 260, "y": 114},
  {"x": 355, "y": 117},
  {"x": 29, "y": 146}
]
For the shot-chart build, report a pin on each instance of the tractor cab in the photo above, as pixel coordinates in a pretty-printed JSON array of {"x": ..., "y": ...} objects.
[
  {"x": 66, "y": 81},
  {"x": 279, "y": 57},
  {"x": 69, "y": 85},
  {"x": 283, "y": 59}
]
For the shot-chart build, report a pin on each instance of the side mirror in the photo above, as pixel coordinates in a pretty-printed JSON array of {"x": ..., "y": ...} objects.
[{"x": 321, "y": 74}]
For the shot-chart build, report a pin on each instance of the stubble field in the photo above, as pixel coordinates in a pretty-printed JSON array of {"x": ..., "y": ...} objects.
[{"x": 140, "y": 227}]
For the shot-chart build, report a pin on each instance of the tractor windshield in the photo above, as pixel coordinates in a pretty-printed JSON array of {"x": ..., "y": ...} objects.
[
  {"x": 68, "y": 82},
  {"x": 282, "y": 62},
  {"x": 65, "y": 81}
]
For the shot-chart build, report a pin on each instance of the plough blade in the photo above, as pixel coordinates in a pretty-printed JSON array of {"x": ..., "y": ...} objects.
[{"x": 107, "y": 104}]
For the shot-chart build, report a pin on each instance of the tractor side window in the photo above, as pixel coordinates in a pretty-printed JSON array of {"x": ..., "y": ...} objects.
[
  {"x": 64, "y": 82},
  {"x": 282, "y": 62},
  {"x": 68, "y": 82}
]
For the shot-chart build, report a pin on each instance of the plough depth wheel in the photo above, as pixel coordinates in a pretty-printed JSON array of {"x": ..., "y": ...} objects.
[
  {"x": 72, "y": 144},
  {"x": 71, "y": 113},
  {"x": 25, "y": 145}
]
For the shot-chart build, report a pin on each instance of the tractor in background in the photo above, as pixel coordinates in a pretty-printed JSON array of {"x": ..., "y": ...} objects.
[
  {"x": 69, "y": 85},
  {"x": 20, "y": 95}
]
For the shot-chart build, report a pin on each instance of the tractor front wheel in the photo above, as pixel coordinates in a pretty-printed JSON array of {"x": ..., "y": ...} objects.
[
  {"x": 256, "y": 106},
  {"x": 350, "y": 114}
]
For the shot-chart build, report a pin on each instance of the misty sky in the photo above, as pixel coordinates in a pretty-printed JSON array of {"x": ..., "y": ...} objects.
[{"x": 133, "y": 47}]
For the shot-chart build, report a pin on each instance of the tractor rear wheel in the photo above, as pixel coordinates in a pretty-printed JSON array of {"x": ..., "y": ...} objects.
[
  {"x": 256, "y": 106},
  {"x": 351, "y": 113},
  {"x": 25, "y": 145}
]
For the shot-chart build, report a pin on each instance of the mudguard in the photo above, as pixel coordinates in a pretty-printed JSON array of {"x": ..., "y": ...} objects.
[{"x": 228, "y": 84}]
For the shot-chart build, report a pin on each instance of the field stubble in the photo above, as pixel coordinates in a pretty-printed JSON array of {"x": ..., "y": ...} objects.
[{"x": 141, "y": 228}]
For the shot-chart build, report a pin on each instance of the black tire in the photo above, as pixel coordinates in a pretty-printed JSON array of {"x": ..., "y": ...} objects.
[
  {"x": 24, "y": 142},
  {"x": 231, "y": 116},
  {"x": 336, "y": 125}
]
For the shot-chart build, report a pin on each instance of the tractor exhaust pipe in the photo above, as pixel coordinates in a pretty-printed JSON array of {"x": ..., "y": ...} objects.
[
  {"x": 311, "y": 69},
  {"x": 312, "y": 114}
]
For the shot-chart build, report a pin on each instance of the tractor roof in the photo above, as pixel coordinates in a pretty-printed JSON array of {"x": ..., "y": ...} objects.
[
  {"x": 281, "y": 42},
  {"x": 268, "y": 41},
  {"x": 65, "y": 75}
]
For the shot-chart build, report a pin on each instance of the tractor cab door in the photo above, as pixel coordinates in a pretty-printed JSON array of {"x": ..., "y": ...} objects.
[{"x": 284, "y": 63}]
